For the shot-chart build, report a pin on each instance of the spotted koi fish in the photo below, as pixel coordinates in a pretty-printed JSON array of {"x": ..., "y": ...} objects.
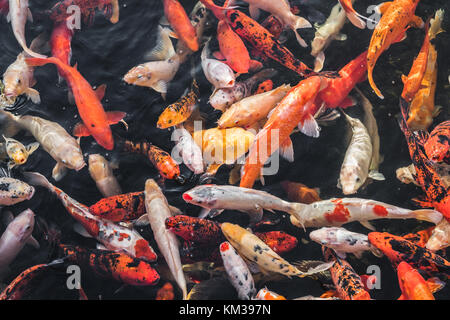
[
  {"x": 412, "y": 284},
  {"x": 110, "y": 264},
  {"x": 437, "y": 146},
  {"x": 347, "y": 282},
  {"x": 419, "y": 238},
  {"x": 280, "y": 242},
  {"x": 396, "y": 17},
  {"x": 195, "y": 229},
  {"x": 13, "y": 191},
  {"x": 162, "y": 161},
  {"x": 61, "y": 10},
  {"x": 112, "y": 236},
  {"x": 181, "y": 110},
  {"x": 426, "y": 175},
  {"x": 398, "y": 249},
  {"x": 260, "y": 38}
]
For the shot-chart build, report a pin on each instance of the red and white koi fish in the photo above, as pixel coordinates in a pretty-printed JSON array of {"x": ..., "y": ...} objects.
[{"x": 112, "y": 236}]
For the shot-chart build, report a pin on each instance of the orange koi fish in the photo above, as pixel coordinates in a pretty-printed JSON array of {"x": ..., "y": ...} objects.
[
  {"x": 293, "y": 110},
  {"x": 412, "y": 284},
  {"x": 162, "y": 161},
  {"x": 60, "y": 42},
  {"x": 398, "y": 15},
  {"x": 419, "y": 238},
  {"x": 347, "y": 282},
  {"x": 61, "y": 10},
  {"x": 280, "y": 242},
  {"x": 398, "y": 249},
  {"x": 426, "y": 175},
  {"x": 298, "y": 192},
  {"x": 180, "y": 22},
  {"x": 95, "y": 121},
  {"x": 122, "y": 207},
  {"x": 265, "y": 294},
  {"x": 437, "y": 146},
  {"x": 414, "y": 79},
  {"x": 165, "y": 292},
  {"x": 110, "y": 264},
  {"x": 179, "y": 111},
  {"x": 195, "y": 229},
  {"x": 112, "y": 236},
  {"x": 261, "y": 39}
]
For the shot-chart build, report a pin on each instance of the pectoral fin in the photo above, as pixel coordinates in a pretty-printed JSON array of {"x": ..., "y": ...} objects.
[
  {"x": 375, "y": 175},
  {"x": 81, "y": 130},
  {"x": 32, "y": 147},
  {"x": 33, "y": 94},
  {"x": 368, "y": 225},
  {"x": 59, "y": 171},
  {"x": 33, "y": 242}
]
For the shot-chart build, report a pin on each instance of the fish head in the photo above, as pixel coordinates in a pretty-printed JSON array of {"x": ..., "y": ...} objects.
[
  {"x": 22, "y": 225},
  {"x": 436, "y": 150},
  {"x": 350, "y": 179},
  {"x": 14, "y": 85},
  {"x": 98, "y": 167},
  {"x": 139, "y": 76},
  {"x": 204, "y": 196},
  {"x": 324, "y": 236},
  {"x": 16, "y": 151},
  {"x": 233, "y": 232},
  {"x": 13, "y": 191}
]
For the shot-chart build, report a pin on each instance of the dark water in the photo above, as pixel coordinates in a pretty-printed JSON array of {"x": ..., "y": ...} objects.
[{"x": 105, "y": 52}]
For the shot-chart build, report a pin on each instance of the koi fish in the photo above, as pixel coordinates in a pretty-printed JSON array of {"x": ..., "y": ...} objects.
[
  {"x": 411, "y": 83},
  {"x": 232, "y": 48},
  {"x": 282, "y": 11},
  {"x": 293, "y": 110},
  {"x": 17, "y": 233},
  {"x": 406, "y": 175},
  {"x": 250, "y": 110},
  {"x": 165, "y": 292},
  {"x": 421, "y": 237},
  {"x": 195, "y": 229},
  {"x": 437, "y": 145},
  {"x": 355, "y": 18},
  {"x": 280, "y": 242},
  {"x": 298, "y": 192},
  {"x": 112, "y": 236},
  {"x": 190, "y": 152},
  {"x": 412, "y": 284},
  {"x": 398, "y": 249},
  {"x": 440, "y": 237},
  {"x": 115, "y": 265},
  {"x": 60, "y": 43},
  {"x": 14, "y": 191},
  {"x": 225, "y": 97},
  {"x": 254, "y": 249},
  {"x": 219, "y": 74},
  {"x": 164, "y": 163},
  {"x": 422, "y": 108},
  {"x": 61, "y": 10},
  {"x": 426, "y": 175},
  {"x": 21, "y": 285},
  {"x": 60, "y": 145},
  {"x": 343, "y": 241},
  {"x": 260, "y": 38},
  {"x": 18, "y": 14},
  {"x": 218, "y": 198},
  {"x": 326, "y": 33},
  {"x": 101, "y": 172},
  {"x": 191, "y": 253},
  {"x": 237, "y": 271},
  {"x": 336, "y": 212},
  {"x": 347, "y": 282},
  {"x": 181, "y": 110},
  {"x": 265, "y": 294},
  {"x": 357, "y": 160},
  {"x": 95, "y": 121},
  {"x": 19, "y": 76},
  {"x": 123, "y": 207},
  {"x": 178, "y": 19},
  {"x": 396, "y": 17},
  {"x": 158, "y": 211},
  {"x": 16, "y": 152}
]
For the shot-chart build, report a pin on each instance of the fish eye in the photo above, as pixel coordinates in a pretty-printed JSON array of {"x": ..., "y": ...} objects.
[{"x": 18, "y": 81}]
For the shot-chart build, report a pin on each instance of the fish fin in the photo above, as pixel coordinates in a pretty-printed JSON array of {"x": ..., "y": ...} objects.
[
  {"x": 115, "y": 116},
  {"x": 29, "y": 15},
  {"x": 319, "y": 62},
  {"x": 368, "y": 225},
  {"x": 11, "y": 165},
  {"x": 355, "y": 19},
  {"x": 261, "y": 178},
  {"x": 340, "y": 37},
  {"x": 160, "y": 86},
  {"x": 256, "y": 214},
  {"x": 376, "y": 252},
  {"x": 309, "y": 127},
  {"x": 33, "y": 242},
  {"x": 33, "y": 94},
  {"x": 416, "y": 22},
  {"x": 348, "y": 102},
  {"x": 429, "y": 215},
  {"x": 219, "y": 56},
  {"x": 141, "y": 221},
  {"x": 215, "y": 212},
  {"x": 8, "y": 17},
  {"x": 100, "y": 91},
  {"x": 163, "y": 49},
  {"x": 437, "y": 110},
  {"x": 37, "y": 179},
  {"x": 300, "y": 40},
  {"x": 99, "y": 246},
  {"x": 255, "y": 65},
  {"x": 375, "y": 175},
  {"x": 357, "y": 254},
  {"x": 339, "y": 185},
  {"x": 341, "y": 254},
  {"x": 287, "y": 150},
  {"x": 59, "y": 171},
  {"x": 81, "y": 130},
  {"x": 404, "y": 78},
  {"x": 70, "y": 96},
  {"x": 78, "y": 228},
  {"x": 435, "y": 284},
  {"x": 32, "y": 147},
  {"x": 254, "y": 12},
  {"x": 300, "y": 23}
]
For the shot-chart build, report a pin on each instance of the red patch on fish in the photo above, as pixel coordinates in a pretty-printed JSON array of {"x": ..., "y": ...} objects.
[
  {"x": 187, "y": 197},
  {"x": 380, "y": 211},
  {"x": 224, "y": 246},
  {"x": 339, "y": 214},
  {"x": 144, "y": 251}
]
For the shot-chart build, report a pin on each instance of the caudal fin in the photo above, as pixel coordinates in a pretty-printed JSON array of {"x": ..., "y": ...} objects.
[
  {"x": 429, "y": 215},
  {"x": 37, "y": 62},
  {"x": 37, "y": 179},
  {"x": 356, "y": 19}
]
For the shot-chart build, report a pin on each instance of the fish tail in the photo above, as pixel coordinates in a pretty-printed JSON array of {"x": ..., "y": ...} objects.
[
  {"x": 356, "y": 19},
  {"x": 37, "y": 62},
  {"x": 372, "y": 83},
  {"x": 37, "y": 179},
  {"x": 429, "y": 215},
  {"x": 300, "y": 23}
]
